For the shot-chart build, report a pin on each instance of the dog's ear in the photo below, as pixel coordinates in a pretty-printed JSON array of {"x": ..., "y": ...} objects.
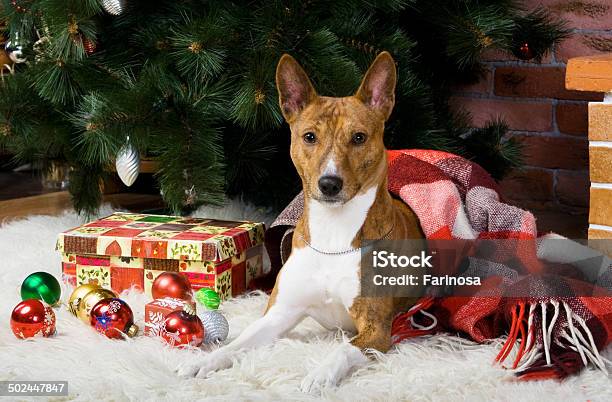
[
  {"x": 294, "y": 88},
  {"x": 377, "y": 90}
]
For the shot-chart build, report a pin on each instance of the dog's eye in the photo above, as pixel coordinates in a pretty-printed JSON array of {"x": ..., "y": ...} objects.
[
  {"x": 310, "y": 138},
  {"x": 358, "y": 138}
]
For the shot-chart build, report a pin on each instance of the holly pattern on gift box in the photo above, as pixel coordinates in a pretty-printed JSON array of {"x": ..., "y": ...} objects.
[
  {"x": 185, "y": 250},
  {"x": 253, "y": 269},
  {"x": 225, "y": 246},
  {"x": 96, "y": 275},
  {"x": 254, "y": 263},
  {"x": 255, "y": 231},
  {"x": 197, "y": 266},
  {"x": 223, "y": 284}
]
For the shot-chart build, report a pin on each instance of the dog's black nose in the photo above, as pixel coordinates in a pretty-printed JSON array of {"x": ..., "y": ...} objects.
[{"x": 330, "y": 185}]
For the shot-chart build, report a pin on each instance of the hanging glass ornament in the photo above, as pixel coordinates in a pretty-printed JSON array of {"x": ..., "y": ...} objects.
[
  {"x": 128, "y": 163},
  {"x": 114, "y": 7},
  {"x": 14, "y": 49}
]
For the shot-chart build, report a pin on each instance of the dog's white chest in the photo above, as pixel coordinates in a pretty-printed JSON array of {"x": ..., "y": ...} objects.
[{"x": 325, "y": 286}]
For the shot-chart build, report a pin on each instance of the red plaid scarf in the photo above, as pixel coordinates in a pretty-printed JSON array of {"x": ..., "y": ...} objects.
[{"x": 457, "y": 199}]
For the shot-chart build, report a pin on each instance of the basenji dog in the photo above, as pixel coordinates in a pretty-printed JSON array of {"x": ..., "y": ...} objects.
[{"x": 337, "y": 148}]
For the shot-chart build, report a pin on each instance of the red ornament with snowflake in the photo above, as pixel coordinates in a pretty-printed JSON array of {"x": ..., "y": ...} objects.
[
  {"x": 31, "y": 318},
  {"x": 113, "y": 318},
  {"x": 157, "y": 311},
  {"x": 183, "y": 328}
]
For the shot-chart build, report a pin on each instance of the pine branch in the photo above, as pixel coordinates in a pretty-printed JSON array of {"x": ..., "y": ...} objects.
[
  {"x": 255, "y": 102},
  {"x": 85, "y": 189},
  {"x": 191, "y": 157},
  {"x": 489, "y": 146},
  {"x": 55, "y": 82},
  {"x": 539, "y": 31},
  {"x": 473, "y": 30},
  {"x": 198, "y": 46}
]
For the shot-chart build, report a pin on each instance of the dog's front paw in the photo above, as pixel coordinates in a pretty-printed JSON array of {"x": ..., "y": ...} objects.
[
  {"x": 203, "y": 366},
  {"x": 187, "y": 369},
  {"x": 333, "y": 369},
  {"x": 317, "y": 380}
]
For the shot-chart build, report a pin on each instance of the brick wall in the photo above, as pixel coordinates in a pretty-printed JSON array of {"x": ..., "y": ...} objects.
[{"x": 549, "y": 120}]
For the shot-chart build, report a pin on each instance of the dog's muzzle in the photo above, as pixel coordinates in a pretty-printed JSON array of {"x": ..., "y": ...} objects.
[{"x": 330, "y": 186}]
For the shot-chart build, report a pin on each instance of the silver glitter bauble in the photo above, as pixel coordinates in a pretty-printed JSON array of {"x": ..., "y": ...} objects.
[
  {"x": 114, "y": 7},
  {"x": 128, "y": 164},
  {"x": 216, "y": 327}
]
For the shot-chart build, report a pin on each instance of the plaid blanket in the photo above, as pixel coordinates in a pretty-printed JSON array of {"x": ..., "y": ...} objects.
[{"x": 554, "y": 324}]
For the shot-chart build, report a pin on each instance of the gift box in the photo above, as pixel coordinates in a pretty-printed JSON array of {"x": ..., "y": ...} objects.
[
  {"x": 157, "y": 310},
  {"x": 127, "y": 250}
]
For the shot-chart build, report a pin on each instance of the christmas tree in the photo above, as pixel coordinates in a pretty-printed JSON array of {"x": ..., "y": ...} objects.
[{"x": 190, "y": 84}]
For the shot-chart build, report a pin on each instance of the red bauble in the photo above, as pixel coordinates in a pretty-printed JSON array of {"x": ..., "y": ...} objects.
[
  {"x": 89, "y": 45},
  {"x": 525, "y": 52},
  {"x": 113, "y": 318},
  {"x": 182, "y": 328},
  {"x": 172, "y": 284},
  {"x": 32, "y": 317}
]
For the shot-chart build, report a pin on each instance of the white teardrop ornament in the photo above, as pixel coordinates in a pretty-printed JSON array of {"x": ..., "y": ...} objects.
[{"x": 128, "y": 164}]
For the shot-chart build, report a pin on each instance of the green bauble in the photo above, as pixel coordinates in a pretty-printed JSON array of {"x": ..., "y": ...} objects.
[
  {"x": 208, "y": 298},
  {"x": 41, "y": 286}
]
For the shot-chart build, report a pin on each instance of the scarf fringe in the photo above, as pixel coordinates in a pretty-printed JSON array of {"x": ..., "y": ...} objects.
[
  {"x": 404, "y": 325},
  {"x": 553, "y": 357}
]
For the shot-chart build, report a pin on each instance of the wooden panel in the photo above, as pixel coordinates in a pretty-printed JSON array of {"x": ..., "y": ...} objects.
[
  {"x": 601, "y": 240},
  {"x": 590, "y": 73},
  {"x": 600, "y": 234},
  {"x": 600, "y": 164},
  {"x": 45, "y": 204},
  {"x": 56, "y": 203},
  {"x": 601, "y": 206},
  {"x": 149, "y": 166},
  {"x": 600, "y": 121}
]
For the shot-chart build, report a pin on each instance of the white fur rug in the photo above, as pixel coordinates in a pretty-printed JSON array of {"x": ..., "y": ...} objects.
[{"x": 96, "y": 368}]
